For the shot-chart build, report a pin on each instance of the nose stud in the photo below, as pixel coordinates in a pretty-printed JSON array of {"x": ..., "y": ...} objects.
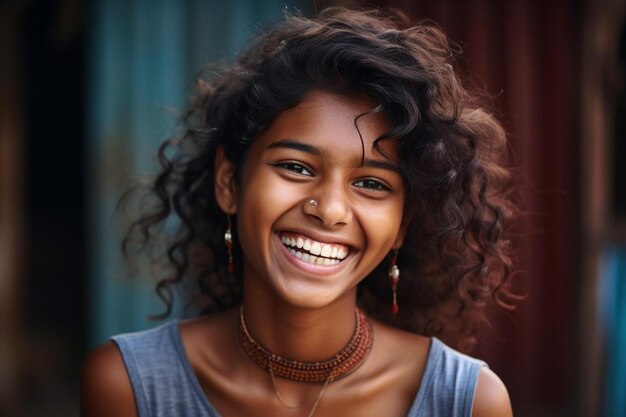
[{"x": 312, "y": 202}]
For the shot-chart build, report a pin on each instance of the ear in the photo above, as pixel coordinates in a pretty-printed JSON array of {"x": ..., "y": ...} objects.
[
  {"x": 404, "y": 227},
  {"x": 225, "y": 182}
]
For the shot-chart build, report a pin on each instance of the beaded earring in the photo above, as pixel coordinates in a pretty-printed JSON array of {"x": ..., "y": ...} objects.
[
  {"x": 394, "y": 277},
  {"x": 228, "y": 240}
]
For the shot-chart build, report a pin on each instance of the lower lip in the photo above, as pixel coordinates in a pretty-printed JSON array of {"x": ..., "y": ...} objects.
[{"x": 315, "y": 268}]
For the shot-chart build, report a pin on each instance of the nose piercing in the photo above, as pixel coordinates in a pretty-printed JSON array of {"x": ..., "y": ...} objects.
[{"x": 312, "y": 202}]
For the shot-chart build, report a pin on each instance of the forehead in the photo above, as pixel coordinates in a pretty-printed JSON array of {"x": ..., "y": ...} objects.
[{"x": 332, "y": 121}]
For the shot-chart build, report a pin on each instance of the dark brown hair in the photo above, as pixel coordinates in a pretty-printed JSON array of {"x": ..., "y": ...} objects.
[{"x": 455, "y": 262}]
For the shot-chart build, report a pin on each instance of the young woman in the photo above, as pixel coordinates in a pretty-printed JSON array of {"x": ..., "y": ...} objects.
[{"x": 341, "y": 202}]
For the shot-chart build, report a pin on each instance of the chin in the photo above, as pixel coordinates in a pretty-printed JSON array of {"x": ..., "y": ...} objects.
[{"x": 310, "y": 298}]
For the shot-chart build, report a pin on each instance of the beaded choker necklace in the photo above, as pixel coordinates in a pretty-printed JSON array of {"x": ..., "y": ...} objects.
[{"x": 347, "y": 360}]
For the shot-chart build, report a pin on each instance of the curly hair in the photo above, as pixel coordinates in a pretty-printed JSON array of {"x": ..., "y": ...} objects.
[{"x": 455, "y": 261}]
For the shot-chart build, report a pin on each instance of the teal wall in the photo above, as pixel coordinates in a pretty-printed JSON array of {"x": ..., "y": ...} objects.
[
  {"x": 143, "y": 57},
  {"x": 613, "y": 324}
]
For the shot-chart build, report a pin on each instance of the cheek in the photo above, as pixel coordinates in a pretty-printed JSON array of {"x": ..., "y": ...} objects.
[
  {"x": 264, "y": 199},
  {"x": 383, "y": 225}
]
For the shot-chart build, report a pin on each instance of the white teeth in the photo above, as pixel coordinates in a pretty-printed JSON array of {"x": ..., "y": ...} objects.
[
  {"x": 313, "y": 259},
  {"x": 316, "y": 248},
  {"x": 314, "y": 252}
]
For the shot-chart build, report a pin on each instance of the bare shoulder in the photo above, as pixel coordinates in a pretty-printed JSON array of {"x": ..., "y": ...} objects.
[
  {"x": 105, "y": 386},
  {"x": 491, "y": 398},
  {"x": 400, "y": 356},
  {"x": 211, "y": 340}
]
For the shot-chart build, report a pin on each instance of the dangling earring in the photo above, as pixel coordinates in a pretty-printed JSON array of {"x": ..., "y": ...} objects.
[
  {"x": 394, "y": 277},
  {"x": 228, "y": 240}
]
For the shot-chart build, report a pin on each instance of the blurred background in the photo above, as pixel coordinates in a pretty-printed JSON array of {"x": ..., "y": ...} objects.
[{"x": 88, "y": 89}]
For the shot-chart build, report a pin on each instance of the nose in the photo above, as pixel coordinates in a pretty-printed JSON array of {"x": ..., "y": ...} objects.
[{"x": 330, "y": 205}]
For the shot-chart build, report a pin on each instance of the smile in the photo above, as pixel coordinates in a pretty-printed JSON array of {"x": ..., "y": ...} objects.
[{"x": 314, "y": 252}]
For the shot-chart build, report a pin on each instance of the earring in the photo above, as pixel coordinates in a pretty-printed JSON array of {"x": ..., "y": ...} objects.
[
  {"x": 228, "y": 240},
  {"x": 394, "y": 277}
]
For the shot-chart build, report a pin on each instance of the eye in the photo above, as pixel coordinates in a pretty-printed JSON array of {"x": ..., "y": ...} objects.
[
  {"x": 371, "y": 185},
  {"x": 295, "y": 167}
]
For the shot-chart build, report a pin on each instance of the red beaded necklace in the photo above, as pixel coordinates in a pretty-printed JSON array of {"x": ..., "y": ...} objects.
[{"x": 347, "y": 360}]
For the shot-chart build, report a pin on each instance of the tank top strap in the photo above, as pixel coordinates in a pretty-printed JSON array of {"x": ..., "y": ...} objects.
[
  {"x": 160, "y": 374},
  {"x": 448, "y": 383}
]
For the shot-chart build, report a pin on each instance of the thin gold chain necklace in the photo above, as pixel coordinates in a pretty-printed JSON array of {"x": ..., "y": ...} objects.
[{"x": 299, "y": 406}]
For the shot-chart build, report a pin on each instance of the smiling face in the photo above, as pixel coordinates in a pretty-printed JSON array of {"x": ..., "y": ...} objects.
[{"x": 311, "y": 255}]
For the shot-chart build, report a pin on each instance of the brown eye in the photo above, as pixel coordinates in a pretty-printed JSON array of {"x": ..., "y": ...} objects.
[
  {"x": 371, "y": 184},
  {"x": 295, "y": 167}
]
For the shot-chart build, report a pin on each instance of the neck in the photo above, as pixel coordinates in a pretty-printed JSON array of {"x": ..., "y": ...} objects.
[{"x": 301, "y": 334}]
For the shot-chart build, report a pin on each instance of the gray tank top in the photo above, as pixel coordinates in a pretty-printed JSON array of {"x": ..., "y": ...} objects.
[{"x": 164, "y": 383}]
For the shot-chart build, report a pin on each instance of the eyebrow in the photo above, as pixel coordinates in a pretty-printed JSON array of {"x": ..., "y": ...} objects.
[
  {"x": 298, "y": 146},
  {"x": 375, "y": 163},
  {"x": 314, "y": 150}
]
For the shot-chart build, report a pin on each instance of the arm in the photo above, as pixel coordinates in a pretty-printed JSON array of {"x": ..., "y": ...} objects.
[
  {"x": 105, "y": 387},
  {"x": 491, "y": 398}
]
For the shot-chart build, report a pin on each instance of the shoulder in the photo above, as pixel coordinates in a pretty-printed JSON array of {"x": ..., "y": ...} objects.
[
  {"x": 111, "y": 372},
  {"x": 399, "y": 358},
  {"x": 399, "y": 350},
  {"x": 105, "y": 387},
  {"x": 491, "y": 398},
  {"x": 211, "y": 343},
  {"x": 484, "y": 392}
]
